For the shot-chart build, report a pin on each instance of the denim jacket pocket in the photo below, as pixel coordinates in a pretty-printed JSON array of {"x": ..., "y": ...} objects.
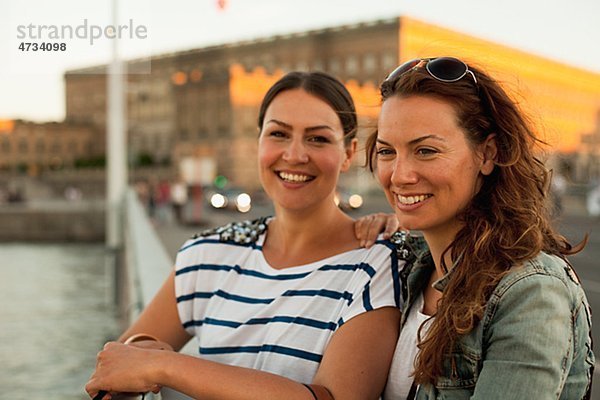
[{"x": 461, "y": 370}]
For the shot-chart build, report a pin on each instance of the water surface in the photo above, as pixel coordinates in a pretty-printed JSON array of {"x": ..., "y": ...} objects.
[{"x": 55, "y": 315}]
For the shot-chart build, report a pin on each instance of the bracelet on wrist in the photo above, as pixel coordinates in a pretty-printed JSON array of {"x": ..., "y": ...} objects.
[{"x": 138, "y": 337}]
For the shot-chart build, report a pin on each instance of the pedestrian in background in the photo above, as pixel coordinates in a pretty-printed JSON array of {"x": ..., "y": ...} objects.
[
  {"x": 162, "y": 200},
  {"x": 558, "y": 189},
  {"x": 593, "y": 201},
  {"x": 179, "y": 198},
  {"x": 495, "y": 307}
]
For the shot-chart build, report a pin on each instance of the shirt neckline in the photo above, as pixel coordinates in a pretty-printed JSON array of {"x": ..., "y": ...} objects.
[{"x": 308, "y": 267}]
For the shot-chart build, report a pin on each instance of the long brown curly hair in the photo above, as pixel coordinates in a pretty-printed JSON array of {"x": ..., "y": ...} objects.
[{"x": 506, "y": 223}]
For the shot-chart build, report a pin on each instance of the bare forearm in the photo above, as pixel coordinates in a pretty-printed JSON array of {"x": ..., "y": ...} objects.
[
  {"x": 208, "y": 380},
  {"x": 349, "y": 370}
]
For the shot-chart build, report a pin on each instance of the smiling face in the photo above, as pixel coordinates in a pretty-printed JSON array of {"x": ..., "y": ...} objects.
[
  {"x": 428, "y": 169},
  {"x": 301, "y": 151}
]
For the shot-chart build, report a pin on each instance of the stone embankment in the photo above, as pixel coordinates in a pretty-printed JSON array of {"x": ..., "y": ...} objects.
[{"x": 53, "y": 221}]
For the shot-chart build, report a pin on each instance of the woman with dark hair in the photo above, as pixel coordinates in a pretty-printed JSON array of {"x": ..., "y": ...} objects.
[
  {"x": 288, "y": 307},
  {"x": 495, "y": 307}
]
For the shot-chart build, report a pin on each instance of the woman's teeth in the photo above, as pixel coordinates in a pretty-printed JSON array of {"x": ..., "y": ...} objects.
[
  {"x": 408, "y": 200},
  {"x": 294, "y": 177}
]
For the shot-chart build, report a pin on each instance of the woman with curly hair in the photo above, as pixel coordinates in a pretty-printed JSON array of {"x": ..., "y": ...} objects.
[{"x": 495, "y": 307}]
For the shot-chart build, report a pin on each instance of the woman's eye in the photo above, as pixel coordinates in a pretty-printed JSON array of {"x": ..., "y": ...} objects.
[
  {"x": 318, "y": 139},
  {"x": 277, "y": 134},
  {"x": 425, "y": 151},
  {"x": 383, "y": 151}
]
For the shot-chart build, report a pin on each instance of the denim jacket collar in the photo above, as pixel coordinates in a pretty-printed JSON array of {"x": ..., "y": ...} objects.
[{"x": 441, "y": 283}]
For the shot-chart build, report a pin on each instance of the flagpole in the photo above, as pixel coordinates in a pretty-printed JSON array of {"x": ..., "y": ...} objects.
[
  {"x": 116, "y": 143},
  {"x": 116, "y": 168}
]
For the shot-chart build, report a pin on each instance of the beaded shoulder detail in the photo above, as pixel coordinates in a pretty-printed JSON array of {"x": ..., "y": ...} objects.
[
  {"x": 242, "y": 232},
  {"x": 400, "y": 239},
  {"x": 408, "y": 247}
]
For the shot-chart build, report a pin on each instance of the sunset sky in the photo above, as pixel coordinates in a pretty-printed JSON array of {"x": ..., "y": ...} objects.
[{"x": 31, "y": 83}]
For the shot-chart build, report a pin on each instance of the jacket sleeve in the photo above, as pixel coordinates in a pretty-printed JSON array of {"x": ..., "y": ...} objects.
[{"x": 528, "y": 343}]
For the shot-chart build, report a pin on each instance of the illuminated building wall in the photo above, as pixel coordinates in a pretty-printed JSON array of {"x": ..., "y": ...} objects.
[
  {"x": 35, "y": 146},
  {"x": 561, "y": 100},
  {"x": 204, "y": 102}
]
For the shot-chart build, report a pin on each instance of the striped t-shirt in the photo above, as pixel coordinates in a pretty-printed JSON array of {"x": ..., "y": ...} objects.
[{"x": 246, "y": 313}]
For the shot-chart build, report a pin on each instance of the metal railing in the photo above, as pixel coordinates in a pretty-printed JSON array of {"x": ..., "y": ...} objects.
[
  {"x": 147, "y": 264},
  {"x": 146, "y": 259}
]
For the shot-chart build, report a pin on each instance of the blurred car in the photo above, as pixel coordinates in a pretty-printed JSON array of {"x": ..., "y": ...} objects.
[
  {"x": 348, "y": 200},
  {"x": 229, "y": 199}
]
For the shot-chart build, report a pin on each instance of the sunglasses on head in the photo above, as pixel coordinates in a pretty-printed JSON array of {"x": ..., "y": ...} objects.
[{"x": 444, "y": 69}]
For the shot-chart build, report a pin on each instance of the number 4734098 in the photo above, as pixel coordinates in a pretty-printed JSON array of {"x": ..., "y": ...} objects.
[{"x": 44, "y": 46}]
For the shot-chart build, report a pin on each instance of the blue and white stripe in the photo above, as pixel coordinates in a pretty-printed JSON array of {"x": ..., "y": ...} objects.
[{"x": 246, "y": 313}]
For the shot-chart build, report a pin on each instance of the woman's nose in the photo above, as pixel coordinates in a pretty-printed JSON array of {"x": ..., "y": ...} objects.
[
  {"x": 404, "y": 173},
  {"x": 295, "y": 152}
]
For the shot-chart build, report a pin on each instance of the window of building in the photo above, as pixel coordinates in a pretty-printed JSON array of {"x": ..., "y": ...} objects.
[
  {"x": 23, "y": 146},
  {"x": 369, "y": 63},
  {"x": 388, "y": 61},
  {"x": 317, "y": 65},
  {"x": 352, "y": 65},
  {"x": 142, "y": 143},
  {"x": 334, "y": 66},
  {"x": 285, "y": 67},
  {"x": 249, "y": 63},
  {"x": 268, "y": 62},
  {"x": 179, "y": 78},
  {"x": 6, "y": 146},
  {"x": 301, "y": 66},
  {"x": 40, "y": 146},
  {"x": 196, "y": 75}
]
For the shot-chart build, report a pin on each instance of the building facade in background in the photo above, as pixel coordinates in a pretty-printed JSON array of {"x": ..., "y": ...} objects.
[
  {"x": 202, "y": 104},
  {"x": 33, "y": 147}
]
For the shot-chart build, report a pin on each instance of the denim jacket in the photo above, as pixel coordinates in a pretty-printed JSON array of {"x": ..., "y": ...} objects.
[{"x": 533, "y": 342}]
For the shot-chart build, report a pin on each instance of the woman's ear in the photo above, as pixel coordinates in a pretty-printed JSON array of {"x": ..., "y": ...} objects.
[
  {"x": 489, "y": 152},
  {"x": 350, "y": 152}
]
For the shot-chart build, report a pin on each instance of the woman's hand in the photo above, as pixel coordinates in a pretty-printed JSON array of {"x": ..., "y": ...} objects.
[
  {"x": 370, "y": 226},
  {"x": 125, "y": 368}
]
